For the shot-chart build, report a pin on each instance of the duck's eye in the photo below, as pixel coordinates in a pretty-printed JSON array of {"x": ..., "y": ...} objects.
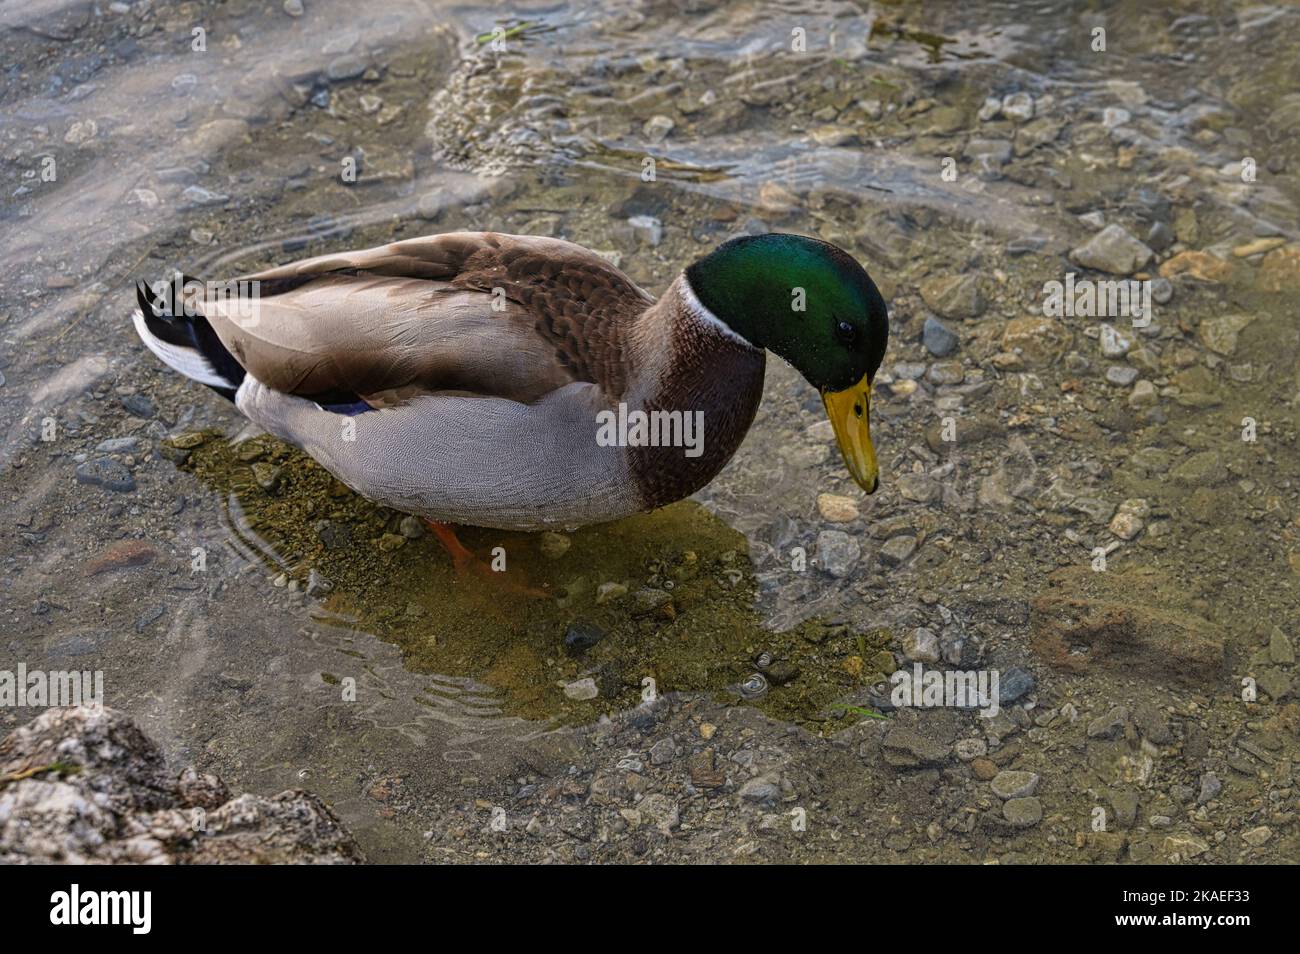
[{"x": 846, "y": 332}]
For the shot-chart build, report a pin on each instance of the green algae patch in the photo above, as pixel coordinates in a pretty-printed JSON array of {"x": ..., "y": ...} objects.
[{"x": 659, "y": 602}]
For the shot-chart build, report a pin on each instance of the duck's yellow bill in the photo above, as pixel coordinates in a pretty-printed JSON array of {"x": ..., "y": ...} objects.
[{"x": 849, "y": 411}]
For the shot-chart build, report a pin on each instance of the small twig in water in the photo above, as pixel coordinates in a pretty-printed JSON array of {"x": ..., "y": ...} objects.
[
  {"x": 869, "y": 713},
  {"x": 63, "y": 768},
  {"x": 508, "y": 33}
]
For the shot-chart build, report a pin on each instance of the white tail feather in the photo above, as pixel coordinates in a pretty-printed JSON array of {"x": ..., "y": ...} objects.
[{"x": 187, "y": 361}]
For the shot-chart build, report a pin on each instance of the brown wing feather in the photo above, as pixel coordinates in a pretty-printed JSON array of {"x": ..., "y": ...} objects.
[{"x": 418, "y": 315}]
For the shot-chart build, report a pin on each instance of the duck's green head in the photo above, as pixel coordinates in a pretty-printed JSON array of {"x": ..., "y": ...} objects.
[{"x": 811, "y": 303}]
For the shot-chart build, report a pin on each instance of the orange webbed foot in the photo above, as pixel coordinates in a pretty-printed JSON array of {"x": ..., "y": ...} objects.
[{"x": 466, "y": 564}]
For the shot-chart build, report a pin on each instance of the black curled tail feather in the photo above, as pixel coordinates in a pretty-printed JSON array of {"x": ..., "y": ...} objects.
[{"x": 186, "y": 342}]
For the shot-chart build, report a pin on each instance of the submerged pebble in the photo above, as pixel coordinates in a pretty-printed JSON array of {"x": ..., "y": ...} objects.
[
  {"x": 648, "y": 599},
  {"x": 782, "y": 672},
  {"x": 137, "y": 405},
  {"x": 119, "y": 445},
  {"x": 1023, "y": 812},
  {"x": 1013, "y": 684},
  {"x": 837, "y": 552},
  {"x": 754, "y": 687},
  {"x": 837, "y": 509},
  {"x": 1018, "y": 107},
  {"x": 581, "y": 636},
  {"x": 609, "y": 592},
  {"x": 317, "y": 583},
  {"x": 970, "y": 749},
  {"x": 267, "y": 476},
  {"x": 897, "y": 550},
  {"x": 1121, "y": 375},
  {"x": 581, "y": 689},
  {"x": 1112, "y": 250},
  {"x": 1012, "y": 784},
  {"x": 107, "y": 473},
  {"x": 938, "y": 339},
  {"x": 921, "y": 644},
  {"x": 553, "y": 545}
]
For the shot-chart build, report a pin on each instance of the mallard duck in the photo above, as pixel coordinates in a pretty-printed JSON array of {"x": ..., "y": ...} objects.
[{"x": 526, "y": 383}]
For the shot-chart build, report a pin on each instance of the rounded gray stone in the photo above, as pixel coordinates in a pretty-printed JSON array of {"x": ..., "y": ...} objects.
[
  {"x": 1011, "y": 784},
  {"x": 1023, "y": 812}
]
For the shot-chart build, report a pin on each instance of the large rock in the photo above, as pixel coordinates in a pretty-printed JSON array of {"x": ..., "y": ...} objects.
[
  {"x": 1280, "y": 270},
  {"x": 938, "y": 338},
  {"x": 837, "y": 552},
  {"x": 953, "y": 296},
  {"x": 1038, "y": 341},
  {"x": 1202, "y": 469},
  {"x": 1219, "y": 332},
  {"x": 1202, "y": 266},
  {"x": 1134, "y": 621},
  {"x": 87, "y": 786},
  {"x": 907, "y": 748},
  {"x": 1112, "y": 250}
]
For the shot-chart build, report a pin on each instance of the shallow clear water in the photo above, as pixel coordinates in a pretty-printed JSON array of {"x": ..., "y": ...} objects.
[{"x": 129, "y": 153}]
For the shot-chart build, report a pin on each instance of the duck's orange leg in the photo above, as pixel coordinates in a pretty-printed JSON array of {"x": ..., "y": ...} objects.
[{"x": 466, "y": 563}]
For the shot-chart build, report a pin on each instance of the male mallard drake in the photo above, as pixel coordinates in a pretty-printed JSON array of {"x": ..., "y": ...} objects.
[{"x": 494, "y": 380}]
